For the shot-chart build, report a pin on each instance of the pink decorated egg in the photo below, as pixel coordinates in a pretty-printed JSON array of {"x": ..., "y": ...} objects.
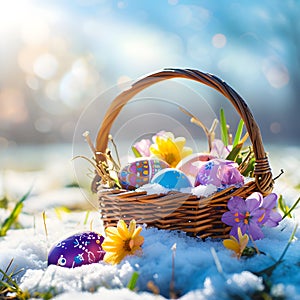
[
  {"x": 191, "y": 164},
  {"x": 220, "y": 173},
  {"x": 77, "y": 250},
  {"x": 140, "y": 172}
]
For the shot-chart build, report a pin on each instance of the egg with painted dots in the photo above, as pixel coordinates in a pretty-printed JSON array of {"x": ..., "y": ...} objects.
[
  {"x": 191, "y": 164},
  {"x": 77, "y": 250},
  {"x": 172, "y": 179},
  {"x": 140, "y": 172}
]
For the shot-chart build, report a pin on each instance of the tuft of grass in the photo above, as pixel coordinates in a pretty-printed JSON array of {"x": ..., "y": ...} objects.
[
  {"x": 9, "y": 288},
  {"x": 12, "y": 218}
]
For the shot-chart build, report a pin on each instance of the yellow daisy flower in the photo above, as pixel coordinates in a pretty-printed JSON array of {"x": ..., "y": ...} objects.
[
  {"x": 235, "y": 245},
  {"x": 169, "y": 148},
  {"x": 121, "y": 241}
]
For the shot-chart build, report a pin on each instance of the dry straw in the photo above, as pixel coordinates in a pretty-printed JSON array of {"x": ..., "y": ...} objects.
[{"x": 180, "y": 211}]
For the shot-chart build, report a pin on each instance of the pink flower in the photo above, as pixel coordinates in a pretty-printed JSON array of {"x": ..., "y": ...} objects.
[
  {"x": 219, "y": 172},
  {"x": 219, "y": 149},
  {"x": 142, "y": 147}
]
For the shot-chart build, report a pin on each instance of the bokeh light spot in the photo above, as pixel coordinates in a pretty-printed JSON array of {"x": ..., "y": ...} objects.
[
  {"x": 122, "y": 4},
  {"x": 45, "y": 66},
  {"x": 219, "y": 40},
  {"x": 32, "y": 82},
  {"x": 275, "y": 72},
  {"x": 275, "y": 127},
  {"x": 12, "y": 106}
]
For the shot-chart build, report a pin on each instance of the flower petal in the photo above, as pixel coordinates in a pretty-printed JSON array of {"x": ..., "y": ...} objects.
[
  {"x": 232, "y": 245},
  {"x": 274, "y": 219},
  {"x": 114, "y": 258},
  {"x": 255, "y": 232},
  {"x": 228, "y": 218},
  {"x": 138, "y": 241},
  {"x": 122, "y": 229},
  {"x": 257, "y": 196},
  {"x": 179, "y": 142},
  {"x": 111, "y": 231},
  {"x": 136, "y": 232},
  {"x": 186, "y": 151},
  {"x": 236, "y": 204},
  {"x": 131, "y": 229},
  {"x": 269, "y": 201},
  {"x": 252, "y": 204},
  {"x": 243, "y": 239}
]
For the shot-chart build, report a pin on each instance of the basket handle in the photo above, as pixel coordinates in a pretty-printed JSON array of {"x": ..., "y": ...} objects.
[{"x": 262, "y": 170}]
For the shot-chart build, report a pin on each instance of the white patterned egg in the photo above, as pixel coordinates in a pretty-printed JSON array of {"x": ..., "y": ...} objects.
[
  {"x": 140, "y": 172},
  {"x": 191, "y": 164}
]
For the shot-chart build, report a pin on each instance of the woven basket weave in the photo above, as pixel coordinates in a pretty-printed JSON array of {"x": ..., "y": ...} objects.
[{"x": 181, "y": 211}]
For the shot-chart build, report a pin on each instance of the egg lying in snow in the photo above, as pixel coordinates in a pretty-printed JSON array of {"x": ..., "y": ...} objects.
[
  {"x": 191, "y": 164},
  {"x": 140, "y": 172},
  {"x": 172, "y": 179},
  {"x": 77, "y": 250}
]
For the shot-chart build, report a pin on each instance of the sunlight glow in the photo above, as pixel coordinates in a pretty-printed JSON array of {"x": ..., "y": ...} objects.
[{"x": 13, "y": 13}]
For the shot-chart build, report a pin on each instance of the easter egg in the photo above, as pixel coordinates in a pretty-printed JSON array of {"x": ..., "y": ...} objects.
[
  {"x": 171, "y": 179},
  {"x": 191, "y": 164},
  {"x": 140, "y": 172},
  {"x": 220, "y": 173},
  {"x": 77, "y": 250}
]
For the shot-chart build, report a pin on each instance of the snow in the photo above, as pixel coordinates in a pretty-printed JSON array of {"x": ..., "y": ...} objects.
[
  {"x": 196, "y": 273},
  {"x": 201, "y": 190}
]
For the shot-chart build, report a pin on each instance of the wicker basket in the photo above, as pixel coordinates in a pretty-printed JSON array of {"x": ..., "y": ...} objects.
[{"x": 199, "y": 217}]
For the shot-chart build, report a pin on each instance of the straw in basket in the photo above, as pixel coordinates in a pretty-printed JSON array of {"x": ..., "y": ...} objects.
[{"x": 201, "y": 216}]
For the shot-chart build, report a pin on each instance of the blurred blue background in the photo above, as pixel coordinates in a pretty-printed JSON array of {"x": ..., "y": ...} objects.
[{"x": 56, "y": 56}]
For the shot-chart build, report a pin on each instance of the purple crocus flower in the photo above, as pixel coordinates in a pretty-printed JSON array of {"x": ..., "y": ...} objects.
[
  {"x": 244, "y": 214},
  {"x": 270, "y": 217},
  {"x": 251, "y": 214}
]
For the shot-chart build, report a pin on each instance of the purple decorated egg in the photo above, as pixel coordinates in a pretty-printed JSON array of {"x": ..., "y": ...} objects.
[
  {"x": 191, "y": 164},
  {"x": 140, "y": 172},
  {"x": 77, "y": 250},
  {"x": 220, "y": 173}
]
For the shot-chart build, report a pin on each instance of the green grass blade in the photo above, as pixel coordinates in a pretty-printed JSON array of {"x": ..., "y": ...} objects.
[
  {"x": 136, "y": 152},
  {"x": 238, "y": 133},
  {"x": 268, "y": 271},
  {"x": 288, "y": 213},
  {"x": 283, "y": 207},
  {"x": 9, "y": 221},
  {"x": 133, "y": 280},
  {"x": 234, "y": 152},
  {"x": 223, "y": 125}
]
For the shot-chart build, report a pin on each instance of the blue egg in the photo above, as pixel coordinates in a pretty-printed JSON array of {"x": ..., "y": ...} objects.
[{"x": 172, "y": 179}]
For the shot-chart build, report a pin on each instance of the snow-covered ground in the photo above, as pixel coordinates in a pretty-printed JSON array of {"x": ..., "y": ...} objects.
[{"x": 197, "y": 273}]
